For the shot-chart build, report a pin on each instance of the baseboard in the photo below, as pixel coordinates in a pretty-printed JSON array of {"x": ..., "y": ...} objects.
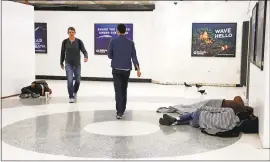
[
  {"x": 10, "y": 96},
  {"x": 203, "y": 84},
  {"x": 49, "y": 77}
]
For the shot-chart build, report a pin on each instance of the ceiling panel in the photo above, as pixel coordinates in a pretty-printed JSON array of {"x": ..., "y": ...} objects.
[
  {"x": 86, "y": 2},
  {"x": 139, "y": 5}
]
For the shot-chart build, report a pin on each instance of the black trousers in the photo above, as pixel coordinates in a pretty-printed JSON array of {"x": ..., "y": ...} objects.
[{"x": 120, "y": 80}]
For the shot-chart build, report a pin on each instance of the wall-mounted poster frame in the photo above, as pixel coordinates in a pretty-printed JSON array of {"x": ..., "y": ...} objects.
[
  {"x": 213, "y": 39},
  {"x": 260, "y": 33},
  {"x": 41, "y": 38},
  {"x": 253, "y": 31},
  {"x": 104, "y": 32}
]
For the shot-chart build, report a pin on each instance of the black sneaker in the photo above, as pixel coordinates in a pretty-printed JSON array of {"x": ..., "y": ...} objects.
[
  {"x": 119, "y": 116},
  {"x": 164, "y": 122},
  {"x": 34, "y": 95},
  {"x": 169, "y": 118}
]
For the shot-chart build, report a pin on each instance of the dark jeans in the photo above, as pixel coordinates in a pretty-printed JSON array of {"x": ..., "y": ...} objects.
[
  {"x": 192, "y": 118},
  {"x": 70, "y": 70},
  {"x": 120, "y": 80}
]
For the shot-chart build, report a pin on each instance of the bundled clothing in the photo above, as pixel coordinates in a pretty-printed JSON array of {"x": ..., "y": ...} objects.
[
  {"x": 217, "y": 119},
  {"x": 182, "y": 109},
  {"x": 217, "y": 103}
]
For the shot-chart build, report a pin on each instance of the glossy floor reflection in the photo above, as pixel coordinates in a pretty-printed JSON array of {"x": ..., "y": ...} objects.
[
  {"x": 56, "y": 130},
  {"x": 64, "y": 134}
]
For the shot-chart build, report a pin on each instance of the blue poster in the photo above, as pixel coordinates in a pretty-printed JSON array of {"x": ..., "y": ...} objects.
[
  {"x": 213, "y": 39},
  {"x": 104, "y": 33},
  {"x": 40, "y": 37}
]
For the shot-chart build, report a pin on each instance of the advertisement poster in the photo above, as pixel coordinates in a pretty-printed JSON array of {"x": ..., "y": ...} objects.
[
  {"x": 213, "y": 39},
  {"x": 104, "y": 33},
  {"x": 40, "y": 37},
  {"x": 260, "y": 34}
]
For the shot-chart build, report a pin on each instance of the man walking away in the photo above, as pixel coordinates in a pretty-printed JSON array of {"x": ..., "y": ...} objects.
[
  {"x": 121, "y": 51},
  {"x": 70, "y": 53}
]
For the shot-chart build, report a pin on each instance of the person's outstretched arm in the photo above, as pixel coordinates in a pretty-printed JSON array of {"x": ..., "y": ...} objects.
[{"x": 110, "y": 50}]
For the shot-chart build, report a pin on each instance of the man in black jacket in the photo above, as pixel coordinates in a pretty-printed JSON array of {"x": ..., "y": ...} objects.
[{"x": 70, "y": 53}]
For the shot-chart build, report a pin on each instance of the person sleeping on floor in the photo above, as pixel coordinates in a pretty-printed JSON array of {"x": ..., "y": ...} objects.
[
  {"x": 35, "y": 90},
  {"x": 212, "y": 115}
]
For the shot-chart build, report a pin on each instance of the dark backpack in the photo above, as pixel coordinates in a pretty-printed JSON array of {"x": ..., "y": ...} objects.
[{"x": 249, "y": 125}]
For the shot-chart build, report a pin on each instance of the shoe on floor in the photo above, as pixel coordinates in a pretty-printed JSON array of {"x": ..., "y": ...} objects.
[
  {"x": 25, "y": 95},
  {"x": 169, "y": 118},
  {"x": 34, "y": 95},
  {"x": 118, "y": 116},
  {"x": 71, "y": 100},
  {"x": 164, "y": 122}
]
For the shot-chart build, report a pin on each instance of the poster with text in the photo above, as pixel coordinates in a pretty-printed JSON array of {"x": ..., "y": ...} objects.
[
  {"x": 40, "y": 37},
  {"x": 260, "y": 34},
  {"x": 104, "y": 33},
  {"x": 213, "y": 39}
]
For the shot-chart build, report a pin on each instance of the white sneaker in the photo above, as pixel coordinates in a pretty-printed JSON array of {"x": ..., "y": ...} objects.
[
  {"x": 75, "y": 95},
  {"x": 71, "y": 100}
]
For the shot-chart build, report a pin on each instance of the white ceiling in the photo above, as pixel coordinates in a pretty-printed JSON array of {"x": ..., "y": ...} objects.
[{"x": 88, "y": 2}]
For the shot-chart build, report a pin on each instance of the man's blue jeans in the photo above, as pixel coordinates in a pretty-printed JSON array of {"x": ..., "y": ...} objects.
[
  {"x": 192, "y": 117},
  {"x": 70, "y": 70},
  {"x": 186, "y": 117}
]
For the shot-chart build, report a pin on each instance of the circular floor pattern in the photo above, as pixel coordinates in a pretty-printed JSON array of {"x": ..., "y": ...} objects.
[
  {"x": 121, "y": 128},
  {"x": 64, "y": 134}
]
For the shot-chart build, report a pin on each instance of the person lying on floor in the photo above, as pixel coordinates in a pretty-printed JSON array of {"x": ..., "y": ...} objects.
[
  {"x": 35, "y": 90},
  {"x": 215, "y": 119},
  {"x": 205, "y": 117},
  {"x": 236, "y": 104},
  {"x": 221, "y": 122}
]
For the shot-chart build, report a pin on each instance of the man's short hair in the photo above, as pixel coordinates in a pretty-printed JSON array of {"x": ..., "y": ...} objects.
[
  {"x": 72, "y": 29},
  {"x": 121, "y": 28}
]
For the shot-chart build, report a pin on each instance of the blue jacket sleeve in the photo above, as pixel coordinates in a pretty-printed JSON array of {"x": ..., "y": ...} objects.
[
  {"x": 134, "y": 56},
  {"x": 110, "y": 49}
]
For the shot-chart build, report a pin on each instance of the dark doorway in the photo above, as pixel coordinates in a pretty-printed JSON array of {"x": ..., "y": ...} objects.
[{"x": 244, "y": 57}]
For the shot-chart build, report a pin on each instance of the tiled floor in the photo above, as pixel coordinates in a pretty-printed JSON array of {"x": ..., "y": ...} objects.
[{"x": 37, "y": 129}]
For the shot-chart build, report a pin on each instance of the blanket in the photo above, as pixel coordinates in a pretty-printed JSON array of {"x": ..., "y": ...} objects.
[{"x": 182, "y": 109}]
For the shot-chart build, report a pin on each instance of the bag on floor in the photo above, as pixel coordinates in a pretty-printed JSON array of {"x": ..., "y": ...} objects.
[{"x": 249, "y": 125}]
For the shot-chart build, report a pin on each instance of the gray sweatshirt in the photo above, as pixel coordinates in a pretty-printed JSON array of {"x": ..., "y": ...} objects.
[{"x": 70, "y": 52}]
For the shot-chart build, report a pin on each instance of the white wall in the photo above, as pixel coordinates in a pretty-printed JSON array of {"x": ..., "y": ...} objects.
[
  {"x": 173, "y": 38},
  {"x": 1, "y": 50},
  {"x": 18, "y": 59},
  {"x": 259, "y": 89},
  {"x": 162, "y": 37},
  {"x": 98, "y": 66}
]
